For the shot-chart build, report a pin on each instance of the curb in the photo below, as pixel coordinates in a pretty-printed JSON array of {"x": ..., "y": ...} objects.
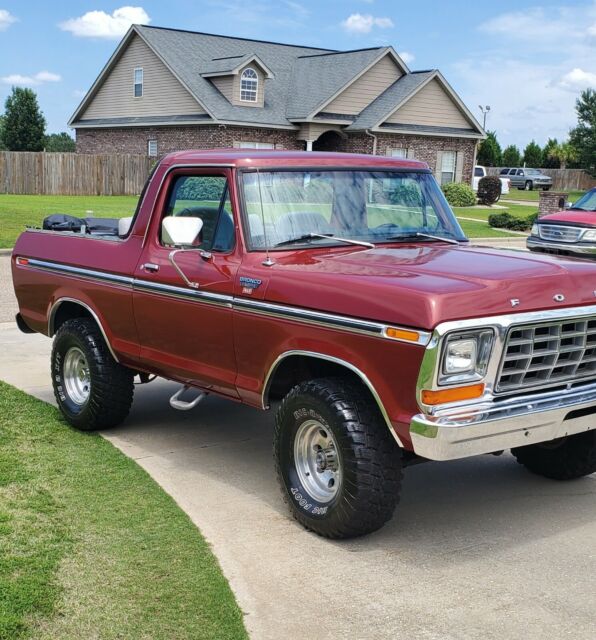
[{"x": 6, "y": 252}]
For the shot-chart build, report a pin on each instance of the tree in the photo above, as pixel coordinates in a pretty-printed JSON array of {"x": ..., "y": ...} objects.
[
  {"x": 60, "y": 143},
  {"x": 548, "y": 160},
  {"x": 563, "y": 154},
  {"x": 532, "y": 155},
  {"x": 583, "y": 137},
  {"x": 24, "y": 124},
  {"x": 511, "y": 156},
  {"x": 489, "y": 152},
  {"x": 2, "y": 147}
]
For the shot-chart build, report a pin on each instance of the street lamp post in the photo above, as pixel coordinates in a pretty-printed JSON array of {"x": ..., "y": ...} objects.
[{"x": 484, "y": 111}]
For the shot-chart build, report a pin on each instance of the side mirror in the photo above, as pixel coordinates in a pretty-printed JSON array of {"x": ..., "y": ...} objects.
[{"x": 179, "y": 231}]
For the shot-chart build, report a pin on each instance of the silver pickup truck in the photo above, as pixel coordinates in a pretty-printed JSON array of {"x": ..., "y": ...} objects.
[{"x": 528, "y": 179}]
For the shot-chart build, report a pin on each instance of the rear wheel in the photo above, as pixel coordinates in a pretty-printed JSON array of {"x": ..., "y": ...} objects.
[
  {"x": 563, "y": 459},
  {"x": 339, "y": 468},
  {"x": 92, "y": 390}
]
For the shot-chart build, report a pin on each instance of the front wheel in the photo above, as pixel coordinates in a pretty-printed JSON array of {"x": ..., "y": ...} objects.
[
  {"x": 92, "y": 390},
  {"x": 339, "y": 468},
  {"x": 528, "y": 186},
  {"x": 563, "y": 459}
]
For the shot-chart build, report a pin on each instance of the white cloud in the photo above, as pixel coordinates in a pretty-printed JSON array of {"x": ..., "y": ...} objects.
[
  {"x": 47, "y": 76},
  {"x": 545, "y": 29},
  {"x": 359, "y": 23},
  {"x": 99, "y": 24},
  {"x": 6, "y": 19},
  {"x": 407, "y": 57},
  {"x": 525, "y": 101},
  {"x": 578, "y": 79},
  {"x": 532, "y": 65},
  {"x": 16, "y": 79}
]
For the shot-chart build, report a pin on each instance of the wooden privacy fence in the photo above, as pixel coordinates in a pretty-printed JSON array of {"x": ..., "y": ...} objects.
[
  {"x": 563, "y": 179},
  {"x": 72, "y": 173}
]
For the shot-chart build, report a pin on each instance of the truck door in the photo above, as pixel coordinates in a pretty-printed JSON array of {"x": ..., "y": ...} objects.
[{"x": 185, "y": 330}]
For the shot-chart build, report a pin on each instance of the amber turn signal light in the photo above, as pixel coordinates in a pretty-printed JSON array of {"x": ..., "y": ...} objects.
[
  {"x": 452, "y": 395},
  {"x": 402, "y": 334}
]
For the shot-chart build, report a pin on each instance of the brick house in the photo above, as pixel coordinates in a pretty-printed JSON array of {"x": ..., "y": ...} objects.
[{"x": 165, "y": 89}]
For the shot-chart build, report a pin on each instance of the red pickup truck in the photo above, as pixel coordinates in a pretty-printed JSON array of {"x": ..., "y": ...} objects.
[{"x": 339, "y": 288}]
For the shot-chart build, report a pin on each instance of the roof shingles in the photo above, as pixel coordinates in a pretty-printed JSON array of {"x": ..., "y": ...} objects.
[{"x": 302, "y": 80}]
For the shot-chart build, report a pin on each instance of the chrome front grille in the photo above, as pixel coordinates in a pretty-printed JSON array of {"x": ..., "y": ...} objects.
[
  {"x": 559, "y": 233},
  {"x": 546, "y": 354}
]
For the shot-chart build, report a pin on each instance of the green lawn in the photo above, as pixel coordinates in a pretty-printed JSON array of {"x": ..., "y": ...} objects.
[
  {"x": 18, "y": 211},
  {"x": 518, "y": 210},
  {"x": 91, "y": 547},
  {"x": 534, "y": 196}
]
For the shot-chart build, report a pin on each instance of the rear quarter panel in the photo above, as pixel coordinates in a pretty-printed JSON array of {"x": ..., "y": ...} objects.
[{"x": 38, "y": 290}]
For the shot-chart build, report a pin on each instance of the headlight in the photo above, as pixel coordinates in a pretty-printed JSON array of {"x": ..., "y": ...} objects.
[
  {"x": 589, "y": 235},
  {"x": 534, "y": 231},
  {"x": 465, "y": 356}
]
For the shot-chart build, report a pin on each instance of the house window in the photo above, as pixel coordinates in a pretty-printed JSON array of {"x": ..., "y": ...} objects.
[
  {"x": 138, "y": 83},
  {"x": 399, "y": 153},
  {"x": 255, "y": 145},
  {"x": 448, "y": 167},
  {"x": 249, "y": 82},
  {"x": 152, "y": 148}
]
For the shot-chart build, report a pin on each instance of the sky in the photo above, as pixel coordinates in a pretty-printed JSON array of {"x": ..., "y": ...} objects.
[{"x": 527, "y": 60}]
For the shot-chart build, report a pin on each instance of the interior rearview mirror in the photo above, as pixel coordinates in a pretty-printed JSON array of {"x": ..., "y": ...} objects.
[{"x": 180, "y": 231}]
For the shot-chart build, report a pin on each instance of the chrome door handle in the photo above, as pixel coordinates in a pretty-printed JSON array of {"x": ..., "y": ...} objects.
[{"x": 149, "y": 266}]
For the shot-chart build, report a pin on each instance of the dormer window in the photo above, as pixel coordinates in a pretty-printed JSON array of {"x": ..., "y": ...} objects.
[
  {"x": 138, "y": 82},
  {"x": 249, "y": 84}
]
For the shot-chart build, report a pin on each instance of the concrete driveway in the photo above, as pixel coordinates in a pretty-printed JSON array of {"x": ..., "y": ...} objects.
[{"x": 478, "y": 548}]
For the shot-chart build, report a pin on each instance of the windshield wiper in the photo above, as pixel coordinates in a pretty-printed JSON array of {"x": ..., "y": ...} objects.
[
  {"x": 410, "y": 236},
  {"x": 324, "y": 236}
]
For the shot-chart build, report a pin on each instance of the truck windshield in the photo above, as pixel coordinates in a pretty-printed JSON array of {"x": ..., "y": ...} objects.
[
  {"x": 317, "y": 207},
  {"x": 587, "y": 202}
]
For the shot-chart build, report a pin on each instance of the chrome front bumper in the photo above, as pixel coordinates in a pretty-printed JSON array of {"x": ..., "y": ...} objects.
[
  {"x": 497, "y": 425},
  {"x": 580, "y": 248}
]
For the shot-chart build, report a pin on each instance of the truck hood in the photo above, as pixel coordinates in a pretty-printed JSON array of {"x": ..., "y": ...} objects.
[
  {"x": 423, "y": 285},
  {"x": 572, "y": 217}
]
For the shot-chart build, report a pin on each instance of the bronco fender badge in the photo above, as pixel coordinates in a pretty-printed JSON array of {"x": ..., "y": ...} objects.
[
  {"x": 559, "y": 297},
  {"x": 249, "y": 284}
]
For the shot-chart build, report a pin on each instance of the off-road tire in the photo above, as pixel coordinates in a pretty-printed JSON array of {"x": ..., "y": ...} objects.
[
  {"x": 111, "y": 384},
  {"x": 371, "y": 462},
  {"x": 564, "y": 459}
]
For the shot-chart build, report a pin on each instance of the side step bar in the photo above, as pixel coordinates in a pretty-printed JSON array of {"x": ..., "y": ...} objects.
[{"x": 182, "y": 405}]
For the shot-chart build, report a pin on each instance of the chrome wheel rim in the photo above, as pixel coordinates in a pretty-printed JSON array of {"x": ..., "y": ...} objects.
[
  {"x": 317, "y": 461},
  {"x": 77, "y": 380}
]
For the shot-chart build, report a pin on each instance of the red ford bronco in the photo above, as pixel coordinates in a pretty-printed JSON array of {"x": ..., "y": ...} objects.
[{"x": 339, "y": 287}]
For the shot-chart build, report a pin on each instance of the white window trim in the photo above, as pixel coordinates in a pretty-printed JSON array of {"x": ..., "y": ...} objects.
[
  {"x": 256, "y": 89},
  {"x": 135, "y": 83},
  {"x": 453, "y": 171},
  {"x": 149, "y": 143},
  {"x": 403, "y": 152},
  {"x": 253, "y": 144}
]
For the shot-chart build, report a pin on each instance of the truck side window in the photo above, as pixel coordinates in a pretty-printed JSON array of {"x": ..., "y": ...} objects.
[{"x": 204, "y": 197}]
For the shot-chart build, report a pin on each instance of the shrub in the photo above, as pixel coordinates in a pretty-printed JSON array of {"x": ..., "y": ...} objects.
[
  {"x": 407, "y": 195},
  {"x": 507, "y": 221},
  {"x": 459, "y": 194},
  {"x": 489, "y": 190}
]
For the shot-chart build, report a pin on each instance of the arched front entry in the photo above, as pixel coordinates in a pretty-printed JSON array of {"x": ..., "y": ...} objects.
[{"x": 330, "y": 141}]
